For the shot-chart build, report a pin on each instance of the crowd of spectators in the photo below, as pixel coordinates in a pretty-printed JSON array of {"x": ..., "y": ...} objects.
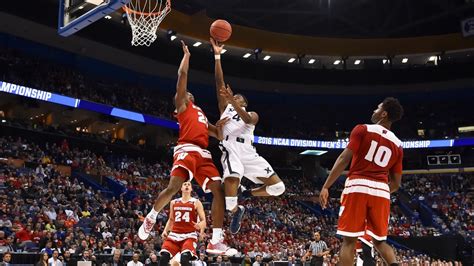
[
  {"x": 42, "y": 210},
  {"x": 28, "y": 70}
]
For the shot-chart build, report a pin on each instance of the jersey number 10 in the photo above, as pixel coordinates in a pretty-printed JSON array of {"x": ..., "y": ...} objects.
[
  {"x": 382, "y": 154},
  {"x": 180, "y": 217}
]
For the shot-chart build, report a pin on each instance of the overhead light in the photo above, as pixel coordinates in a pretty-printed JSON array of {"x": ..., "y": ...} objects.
[
  {"x": 291, "y": 60},
  {"x": 4, "y": 121},
  {"x": 313, "y": 152},
  {"x": 311, "y": 61},
  {"x": 171, "y": 34},
  {"x": 197, "y": 44},
  {"x": 266, "y": 57},
  {"x": 107, "y": 17},
  {"x": 223, "y": 51},
  {"x": 247, "y": 55},
  {"x": 404, "y": 60},
  {"x": 337, "y": 62},
  {"x": 384, "y": 61},
  {"x": 356, "y": 62},
  {"x": 433, "y": 58}
]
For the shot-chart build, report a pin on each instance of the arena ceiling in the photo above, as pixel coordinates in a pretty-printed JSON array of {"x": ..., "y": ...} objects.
[{"x": 339, "y": 18}]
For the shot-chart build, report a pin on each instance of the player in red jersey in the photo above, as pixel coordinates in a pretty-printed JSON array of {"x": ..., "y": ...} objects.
[
  {"x": 375, "y": 172},
  {"x": 192, "y": 160},
  {"x": 180, "y": 232}
]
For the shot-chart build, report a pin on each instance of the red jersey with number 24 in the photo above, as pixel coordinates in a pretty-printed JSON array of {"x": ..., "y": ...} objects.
[
  {"x": 185, "y": 214},
  {"x": 376, "y": 153},
  {"x": 193, "y": 126}
]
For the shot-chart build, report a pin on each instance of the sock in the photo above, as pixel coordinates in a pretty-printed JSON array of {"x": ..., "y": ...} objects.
[
  {"x": 216, "y": 235},
  {"x": 152, "y": 214},
  {"x": 247, "y": 194}
]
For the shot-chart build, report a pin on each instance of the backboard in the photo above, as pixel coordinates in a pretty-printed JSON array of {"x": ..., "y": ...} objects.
[{"x": 75, "y": 15}]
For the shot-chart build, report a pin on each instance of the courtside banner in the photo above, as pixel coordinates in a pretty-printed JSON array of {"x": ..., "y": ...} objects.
[
  {"x": 342, "y": 144},
  {"x": 161, "y": 122}
]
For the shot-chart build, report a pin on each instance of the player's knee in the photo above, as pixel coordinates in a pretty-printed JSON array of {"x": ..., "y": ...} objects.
[
  {"x": 230, "y": 203},
  {"x": 186, "y": 259},
  {"x": 276, "y": 189},
  {"x": 165, "y": 258}
]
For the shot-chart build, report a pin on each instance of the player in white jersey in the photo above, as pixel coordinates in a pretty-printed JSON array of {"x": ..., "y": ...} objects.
[{"x": 239, "y": 156}]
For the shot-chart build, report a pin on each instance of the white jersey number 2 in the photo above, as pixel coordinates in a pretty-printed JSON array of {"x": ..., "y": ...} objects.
[{"x": 382, "y": 154}]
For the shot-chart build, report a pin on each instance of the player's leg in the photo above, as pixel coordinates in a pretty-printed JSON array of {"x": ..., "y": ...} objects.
[
  {"x": 232, "y": 171},
  {"x": 351, "y": 224},
  {"x": 377, "y": 226},
  {"x": 168, "y": 250},
  {"x": 367, "y": 255},
  {"x": 188, "y": 251},
  {"x": 161, "y": 201},
  {"x": 273, "y": 186},
  {"x": 183, "y": 167},
  {"x": 386, "y": 252},
  {"x": 347, "y": 252},
  {"x": 208, "y": 177},
  {"x": 259, "y": 171}
]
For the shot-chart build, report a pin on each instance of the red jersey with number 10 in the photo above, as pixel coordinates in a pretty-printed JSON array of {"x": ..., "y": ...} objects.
[
  {"x": 185, "y": 214},
  {"x": 193, "y": 126},
  {"x": 376, "y": 153}
]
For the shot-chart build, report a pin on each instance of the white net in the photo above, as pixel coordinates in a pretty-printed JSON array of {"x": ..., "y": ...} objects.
[{"x": 144, "y": 17}]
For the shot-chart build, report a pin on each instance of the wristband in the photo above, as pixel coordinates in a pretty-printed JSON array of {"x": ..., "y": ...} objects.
[{"x": 217, "y": 56}]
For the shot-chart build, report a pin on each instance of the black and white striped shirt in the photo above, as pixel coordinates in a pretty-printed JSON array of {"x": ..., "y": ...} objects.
[{"x": 317, "y": 247}]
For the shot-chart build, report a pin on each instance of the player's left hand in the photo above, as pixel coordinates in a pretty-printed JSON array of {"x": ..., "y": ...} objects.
[
  {"x": 226, "y": 92},
  {"x": 197, "y": 225},
  {"x": 202, "y": 237},
  {"x": 323, "y": 197}
]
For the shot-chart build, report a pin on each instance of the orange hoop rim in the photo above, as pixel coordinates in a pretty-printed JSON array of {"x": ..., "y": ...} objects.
[{"x": 129, "y": 10}]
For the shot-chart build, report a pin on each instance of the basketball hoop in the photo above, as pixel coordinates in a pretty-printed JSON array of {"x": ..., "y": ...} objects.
[{"x": 144, "y": 17}]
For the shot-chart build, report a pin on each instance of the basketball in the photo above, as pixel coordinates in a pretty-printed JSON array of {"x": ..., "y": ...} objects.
[{"x": 220, "y": 30}]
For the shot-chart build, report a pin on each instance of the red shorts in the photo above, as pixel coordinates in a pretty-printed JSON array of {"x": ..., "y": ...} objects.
[
  {"x": 198, "y": 164},
  {"x": 174, "y": 247},
  {"x": 365, "y": 208}
]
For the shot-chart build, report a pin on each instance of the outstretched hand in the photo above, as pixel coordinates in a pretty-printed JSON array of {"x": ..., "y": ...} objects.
[
  {"x": 216, "y": 46},
  {"x": 226, "y": 92},
  {"x": 323, "y": 198},
  {"x": 185, "y": 48}
]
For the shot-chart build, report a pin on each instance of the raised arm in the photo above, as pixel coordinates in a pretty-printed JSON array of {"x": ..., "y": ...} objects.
[
  {"x": 248, "y": 117},
  {"x": 181, "y": 96},
  {"x": 219, "y": 75}
]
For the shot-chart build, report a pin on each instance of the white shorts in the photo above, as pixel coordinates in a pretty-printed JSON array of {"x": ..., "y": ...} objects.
[{"x": 241, "y": 159}]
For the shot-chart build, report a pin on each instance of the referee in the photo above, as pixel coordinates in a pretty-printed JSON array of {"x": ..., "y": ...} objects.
[{"x": 317, "y": 250}]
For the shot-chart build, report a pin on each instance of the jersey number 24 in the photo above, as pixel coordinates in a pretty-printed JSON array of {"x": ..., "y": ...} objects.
[{"x": 179, "y": 216}]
